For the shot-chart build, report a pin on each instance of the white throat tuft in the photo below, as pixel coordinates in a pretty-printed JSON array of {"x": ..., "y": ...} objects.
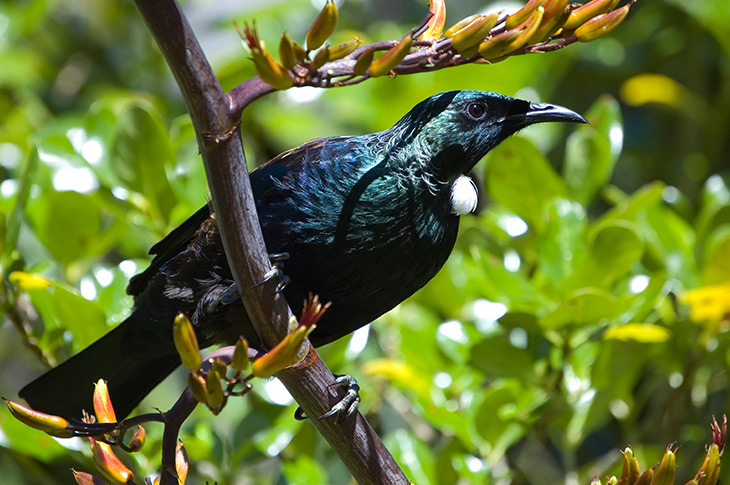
[{"x": 464, "y": 196}]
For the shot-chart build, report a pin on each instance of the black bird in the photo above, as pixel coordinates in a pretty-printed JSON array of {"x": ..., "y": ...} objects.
[{"x": 366, "y": 220}]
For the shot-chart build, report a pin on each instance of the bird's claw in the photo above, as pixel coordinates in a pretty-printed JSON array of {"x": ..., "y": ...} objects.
[
  {"x": 276, "y": 271},
  {"x": 346, "y": 407}
]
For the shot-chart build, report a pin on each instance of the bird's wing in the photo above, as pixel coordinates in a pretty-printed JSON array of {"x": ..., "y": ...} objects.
[{"x": 167, "y": 248}]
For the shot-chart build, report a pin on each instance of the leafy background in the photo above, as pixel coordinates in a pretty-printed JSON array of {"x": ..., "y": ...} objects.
[{"x": 559, "y": 330}]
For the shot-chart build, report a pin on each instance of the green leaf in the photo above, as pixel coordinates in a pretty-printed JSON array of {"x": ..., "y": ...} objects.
[
  {"x": 521, "y": 179},
  {"x": 716, "y": 267},
  {"x": 303, "y": 470},
  {"x": 69, "y": 224},
  {"x": 413, "y": 455},
  {"x": 561, "y": 247},
  {"x": 499, "y": 358},
  {"x": 592, "y": 150},
  {"x": 638, "y": 332},
  {"x": 583, "y": 307}
]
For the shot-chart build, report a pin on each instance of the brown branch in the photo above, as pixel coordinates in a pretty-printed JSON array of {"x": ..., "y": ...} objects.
[{"x": 216, "y": 117}]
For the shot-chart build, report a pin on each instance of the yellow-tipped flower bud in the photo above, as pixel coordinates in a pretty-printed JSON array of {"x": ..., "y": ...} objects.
[
  {"x": 474, "y": 33},
  {"x": 587, "y": 11},
  {"x": 556, "y": 13},
  {"x": 53, "y": 425},
  {"x": 287, "y": 56},
  {"x": 240, "y": 361},
  {"x": 531, "y": 26},
  {"x": 186, "y": 342},
  {"x": 270, "y": 71},
  {"x": 436, "y": 22},
  {"x": 83, "y": 478},
  {"x": 103, "y": 404},
  {"x": 215, "y": 389},
  {"x": 496, "y": 46},
  {"x": 109, "y": 464},
  {"x": 522, "y": 14},
  {"x": 285, "y": 353},
  {"x": 323, "y": 26},
  {"x": 667, "y": 469},
  {"x": 710, "y": 469},
  {"x": 601, "y": 25},
  {"x": 299, "y": 51},
  {"x": 630, "y": 472},
  {"x": 451, "y": 31},
  {"x": 138, "y": 439},
  {"x": 181, "y": 463},
  {"x": 320, "y": 58},
  {"x": 647, "y": 477},
  {"x": 341, "y": 50},
  {"x": 196, "y": 383},
  {"x": 363, "y": 63},
  {"x": 391, "y": 58}
]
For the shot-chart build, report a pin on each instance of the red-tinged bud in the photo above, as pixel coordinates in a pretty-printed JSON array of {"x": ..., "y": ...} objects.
[
  {"x": 287, "y": 56},
  {"x": 320, "y": 58},
  {"x": 630, "y": 472},
  {"x": 323, "y": 26},
  {"x": 83, "y": 478},
  {"x": 109, "y": 464},
  {"x": 341, "y": 50},
  {"x": 719, "y": 432},
  {"x": 240, "y": 361},
  {"x": 53, "y": 425},
  {"x": 474, "y": 33},
  {"x": 601, "y": 25},
  {"x": 451, "y": 31},
  {"x": 103, "y": 404},
  {"x": 587, "y": 11},
  {"x": 138, "y": 439},
  {"x": 285, "y": 353},
  {"x": 181, "y": 463},
  {"x": 363, "y": 63},
  {"x": 556, "y": 13},
  {"x": 312, "y": 311},
  {"x": 391, "y": 58},
  {"x": 215, "y": 389},
  {"x": 522, "y": 14},
  {"x": 186, "y": 342},
  {"x": 667, "y": 469},
  {"x": 436, "y": 22},
  {"x": 196, "y": 383}
]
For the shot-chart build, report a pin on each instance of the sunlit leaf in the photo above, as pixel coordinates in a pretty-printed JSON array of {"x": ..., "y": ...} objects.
[{"x": 638, "y": 332}]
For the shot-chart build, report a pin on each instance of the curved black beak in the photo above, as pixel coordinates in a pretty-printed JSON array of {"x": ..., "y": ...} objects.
[{"x": 540, "y": 112}]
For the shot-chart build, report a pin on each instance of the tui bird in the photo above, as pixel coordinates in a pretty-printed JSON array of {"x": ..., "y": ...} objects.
[{"x": 366, "y": 220}]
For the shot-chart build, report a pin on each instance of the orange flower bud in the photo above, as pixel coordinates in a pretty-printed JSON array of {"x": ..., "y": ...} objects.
[
  {"x": 474, "y": 33},
  {"x": 240, "y": 361},
  {"x": 587, "y": 11},
  {"x": 522, "y": 14},
  {"x": 363, "y": 63},
  {"x": 287, "y": 56},
  {"x": 601, "y": 25},
  {"x": 436, "y": 22},
  {"x": 83, "y": 478},
  {"x": 186, "y": 342},
  {"x": 103, "y": 404},
  {"x": 320, "y": 58},
  {"x": 108, "y": 463},
  {"x": 285, "y": 353},
  {"x": 53, "y": 425},
  {"x": 181, "y": 463},
  {"x": 341, "y": 50},
  {"x": 323, "y": 26},
  {"x": 138, "y": 439},
  {"x": 391, "y": 58}
]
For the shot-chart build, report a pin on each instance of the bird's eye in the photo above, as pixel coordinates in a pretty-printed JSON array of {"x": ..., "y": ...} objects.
[{"x": 476, "y": 111}]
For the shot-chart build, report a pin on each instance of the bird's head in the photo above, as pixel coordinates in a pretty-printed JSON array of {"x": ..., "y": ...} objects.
[{"x": 444, "y": 136}]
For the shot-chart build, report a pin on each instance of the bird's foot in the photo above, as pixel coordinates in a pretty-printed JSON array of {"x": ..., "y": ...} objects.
[
  {"x": 276, "y": 272},
  {"x": 346, "y": 407}
]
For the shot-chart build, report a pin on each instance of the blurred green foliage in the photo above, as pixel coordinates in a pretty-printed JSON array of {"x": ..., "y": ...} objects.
[{"x": 556, "y": 334}]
